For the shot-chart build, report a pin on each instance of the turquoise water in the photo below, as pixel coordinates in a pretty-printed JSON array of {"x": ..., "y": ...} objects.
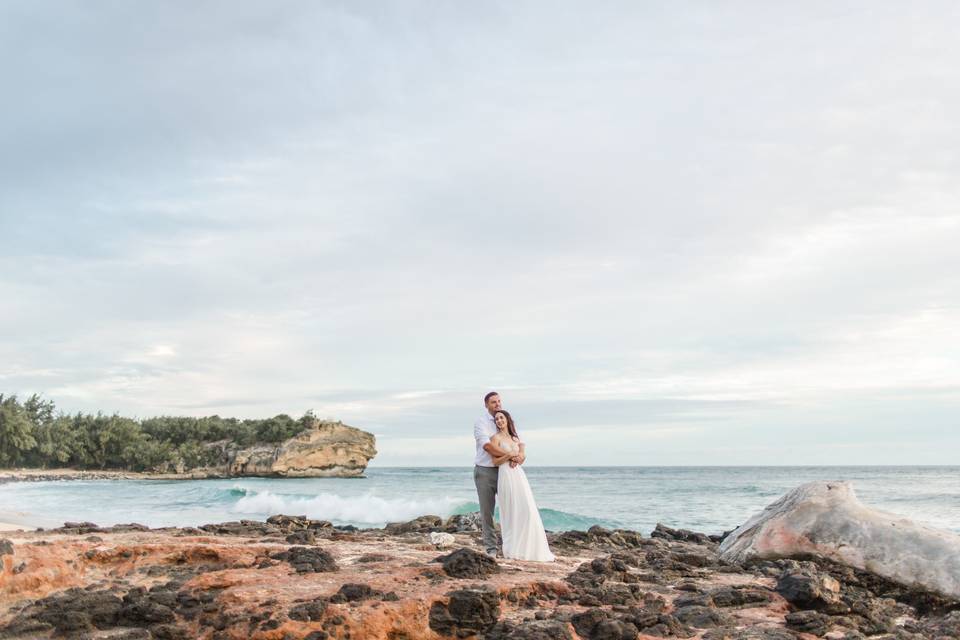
[{"x": 708, "y": 499}]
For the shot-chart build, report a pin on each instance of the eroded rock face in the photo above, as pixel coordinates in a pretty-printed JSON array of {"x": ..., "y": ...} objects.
[
  {"x": 327, "y": 449},
  {"x": 825, "y": 519}
]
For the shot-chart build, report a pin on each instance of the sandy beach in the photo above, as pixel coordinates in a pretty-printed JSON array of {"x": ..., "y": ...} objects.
[
  {"x": 15, "y": 520},
  {"x": 46, "y": 475}
]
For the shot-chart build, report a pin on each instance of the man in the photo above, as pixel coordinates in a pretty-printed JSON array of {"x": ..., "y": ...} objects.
[{"x": 485, "y": 472}]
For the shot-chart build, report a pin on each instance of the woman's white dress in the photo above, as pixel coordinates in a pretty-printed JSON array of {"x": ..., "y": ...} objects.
[{"x": 520, "y": 523}]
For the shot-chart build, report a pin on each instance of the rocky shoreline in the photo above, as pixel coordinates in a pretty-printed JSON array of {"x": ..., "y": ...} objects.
[
  {"x": 46, "y": 475},
  {"x": 292, "y": 577}
]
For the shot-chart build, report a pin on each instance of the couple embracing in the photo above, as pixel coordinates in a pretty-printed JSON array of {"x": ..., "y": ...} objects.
[{"x": 499, "y": 477}]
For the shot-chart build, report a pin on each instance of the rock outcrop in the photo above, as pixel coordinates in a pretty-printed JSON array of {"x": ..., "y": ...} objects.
[
  {"x": 294, "y": 578},
  {"x": 825, "y": 520},
  {"x": 326, "y": 449}
]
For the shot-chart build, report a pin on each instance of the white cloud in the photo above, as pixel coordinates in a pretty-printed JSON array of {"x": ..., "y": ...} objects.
[{"x": 741, "y": 222}]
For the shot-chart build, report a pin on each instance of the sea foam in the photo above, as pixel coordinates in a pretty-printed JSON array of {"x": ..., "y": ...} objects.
[{"x": 367, "y": 509}]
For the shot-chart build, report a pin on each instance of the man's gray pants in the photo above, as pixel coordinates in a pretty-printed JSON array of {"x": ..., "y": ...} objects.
[{"x": 486, "y": 480}]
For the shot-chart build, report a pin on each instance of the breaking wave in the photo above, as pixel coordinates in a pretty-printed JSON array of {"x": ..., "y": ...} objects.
[{"x": 366, "y": 510}]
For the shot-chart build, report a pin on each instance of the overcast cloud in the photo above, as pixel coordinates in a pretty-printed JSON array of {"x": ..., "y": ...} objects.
[{"x": 667, "y": 233}]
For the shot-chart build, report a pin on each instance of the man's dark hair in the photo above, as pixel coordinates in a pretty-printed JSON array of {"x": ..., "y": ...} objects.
[{"x": 487, "y": 397}]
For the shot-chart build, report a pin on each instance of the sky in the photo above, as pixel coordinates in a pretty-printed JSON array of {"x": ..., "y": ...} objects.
[{"x": 668, "y": 233}]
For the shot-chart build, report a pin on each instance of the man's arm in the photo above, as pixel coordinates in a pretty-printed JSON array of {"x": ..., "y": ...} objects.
[
  {"x": 480, "y": 435},
  {"x": 494, "y": 450}
]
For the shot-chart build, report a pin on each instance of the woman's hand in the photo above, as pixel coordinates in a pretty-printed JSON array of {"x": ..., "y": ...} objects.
[{"x": 522, "y": 456}]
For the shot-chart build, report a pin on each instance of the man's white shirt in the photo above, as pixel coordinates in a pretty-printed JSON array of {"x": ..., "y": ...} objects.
[{"x": 483, "y": 430}]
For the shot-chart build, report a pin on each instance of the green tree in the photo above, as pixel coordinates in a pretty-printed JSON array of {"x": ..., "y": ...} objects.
[
  {"x": 33, "y": 433},
  {"x": 116, "y": 438},
  {"x": 149, "y": 455},
  {"x": 16, "y": 431}
]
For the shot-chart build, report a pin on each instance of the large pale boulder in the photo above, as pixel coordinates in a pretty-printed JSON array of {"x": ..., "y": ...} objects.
[
  {"x": 326, "y": 449},
  {"x": 825, "y": 519}
]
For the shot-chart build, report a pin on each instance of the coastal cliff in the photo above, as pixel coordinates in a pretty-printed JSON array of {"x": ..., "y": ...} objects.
[
  {"x": 324, "y": 450},
  {"x": 41, "y": 443}
]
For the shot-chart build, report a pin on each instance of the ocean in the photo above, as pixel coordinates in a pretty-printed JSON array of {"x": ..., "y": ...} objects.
[{"x": 706, "y": 499}]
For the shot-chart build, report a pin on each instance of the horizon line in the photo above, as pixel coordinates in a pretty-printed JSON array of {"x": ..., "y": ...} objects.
[{"x": 670, "y": 466}]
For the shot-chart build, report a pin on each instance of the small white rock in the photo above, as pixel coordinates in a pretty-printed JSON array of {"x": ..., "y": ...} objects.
[{"x": 441, "y": 540}]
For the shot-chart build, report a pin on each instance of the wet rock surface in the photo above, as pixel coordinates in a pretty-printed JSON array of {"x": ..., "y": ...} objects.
[{"x": 292, "y": 577}]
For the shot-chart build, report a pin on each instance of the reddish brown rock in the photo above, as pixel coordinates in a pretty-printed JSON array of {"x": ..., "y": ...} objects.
[{"x": 247, "y": 581}]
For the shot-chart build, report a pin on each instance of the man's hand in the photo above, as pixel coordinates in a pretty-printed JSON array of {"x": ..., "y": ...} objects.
[{"x": 517, "y": 460}]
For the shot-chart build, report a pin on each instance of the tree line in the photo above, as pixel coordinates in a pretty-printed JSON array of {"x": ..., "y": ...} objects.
[{"x": 34, "y": 434}]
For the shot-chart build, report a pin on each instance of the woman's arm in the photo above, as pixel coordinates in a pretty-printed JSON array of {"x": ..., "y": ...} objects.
[{"x": 496, "y": 451}]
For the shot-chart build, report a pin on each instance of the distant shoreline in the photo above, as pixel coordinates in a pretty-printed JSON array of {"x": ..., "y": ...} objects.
[
  {"x": 679, "y": 466},
  {"x": 46, "y": 475},
  {"x": 38, "y": 475},
  {"x": 68, "y": 473}
]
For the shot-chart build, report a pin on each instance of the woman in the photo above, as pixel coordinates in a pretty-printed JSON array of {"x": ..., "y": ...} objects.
[{"x": 520, "y": 523}]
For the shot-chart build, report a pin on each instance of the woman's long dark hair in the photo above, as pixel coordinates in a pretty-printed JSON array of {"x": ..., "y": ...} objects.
[{"x": 511, "y": 429}]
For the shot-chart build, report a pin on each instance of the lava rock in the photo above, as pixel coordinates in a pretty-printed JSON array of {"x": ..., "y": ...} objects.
[
  {"x": 530, "y": 630},
  {"x": 308, "y": 611},
  {"x": 131, "y": 526},
  {"x": 750, "y": 633},
  {"x": 702, "y": 617},
  {"x": 245, "y": 528},
  {"x": 422, "y": 524},
  {"x": 467, "y": 563},
  {"x": 809, "y": 622},
  {"x": 171, "y": 632},
  {"x": 141, "y": 608},
  {"x": 599, "y": 624},
  {"x": 947, "y": 626},
  {"x": 352, "y": 592},
  {"x": 373, "y": 557},
  {"x": 307, "y": 559},
  {"x": 78, "y": 528},
  {"x": 681, "y": 535},
  {"x": 807, "y": 590},
  {"x": 75, "y": 610},
  {"x": 463, "y": 522},
  {"x": 304, "y": 536},
  {"x": 739, "y": 596},
  {"x": 467, "y": 612}
]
